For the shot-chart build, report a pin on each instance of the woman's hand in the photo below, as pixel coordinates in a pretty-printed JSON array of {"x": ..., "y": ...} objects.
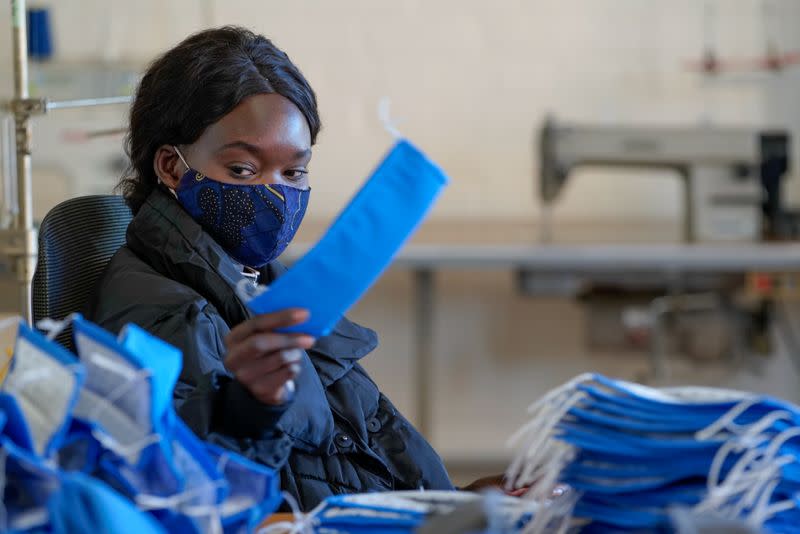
[
  {"x": 495, "y": 482},
  {"x": 263, "y": 360}
]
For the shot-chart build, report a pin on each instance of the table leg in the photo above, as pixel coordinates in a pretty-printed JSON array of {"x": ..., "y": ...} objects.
[{"x": 423, "y": 349}]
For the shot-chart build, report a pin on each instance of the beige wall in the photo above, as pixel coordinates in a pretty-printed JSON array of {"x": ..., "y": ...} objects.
[{"x": 470, "y": 80}]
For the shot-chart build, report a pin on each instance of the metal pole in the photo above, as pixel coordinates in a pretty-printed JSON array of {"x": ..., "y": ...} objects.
[
  {"x": 23, "y": 222},
  {"x": 88, "y": 102}
]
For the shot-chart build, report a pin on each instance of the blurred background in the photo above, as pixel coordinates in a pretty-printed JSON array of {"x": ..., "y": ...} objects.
[{"x": 589, "y": 124}]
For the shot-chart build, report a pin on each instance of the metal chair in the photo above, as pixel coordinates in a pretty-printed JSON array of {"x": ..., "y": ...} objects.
[{"x": 77, "y": 239}]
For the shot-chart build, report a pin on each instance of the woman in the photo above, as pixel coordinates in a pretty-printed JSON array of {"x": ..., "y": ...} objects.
[{"x": 220, "y": 140}]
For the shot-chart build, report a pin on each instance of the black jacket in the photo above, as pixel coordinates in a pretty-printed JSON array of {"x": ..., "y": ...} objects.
[{"x": 338, "y": 435}]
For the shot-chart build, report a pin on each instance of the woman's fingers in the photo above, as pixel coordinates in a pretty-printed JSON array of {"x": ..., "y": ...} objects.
[
  {"x": 257, "y": 346},
  {"x": 263, "y": 360},
  {"x": 263, "y": 366},
  {"x": 267, "y": 322},
  {"x": 271, "y": 388}
]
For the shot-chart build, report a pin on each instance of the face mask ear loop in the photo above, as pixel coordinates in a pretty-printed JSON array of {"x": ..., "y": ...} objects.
[
  {"x": 302, "y": 523},
  {"x": 385, "y": 116},
  {"x": 53, "y": 328},
  {"x": 765, "y": 423},
  {"x": 528, "y": 439},
  {"x": 769, "y": 466},
  {"x": 754, "y": 490},
  {"x": 536, "y": 426},
  {"x": 727, "y": 420},
  {"x": 780, "y": 440},
  {"x": 129, "y": 451},
  {"x": 545, "y": 433},
  {"x": 763, "y": 511},
  {"x": 734, "y": 445},
  {"x": 209, "y": 512},
  {"x": 545, "y": 479},
  {"x": 735, "y": 482},
  {"x": 183, "y": 160},
  {"x": 177, "y": 501}
]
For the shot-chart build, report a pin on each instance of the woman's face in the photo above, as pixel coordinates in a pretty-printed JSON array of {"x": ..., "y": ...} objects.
[{"x": 263, "y": 140}]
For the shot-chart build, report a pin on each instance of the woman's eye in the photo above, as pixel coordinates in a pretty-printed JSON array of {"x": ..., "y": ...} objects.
[
  {"x": 296, "y": 174},
  {"x": 241, "y": 171}
]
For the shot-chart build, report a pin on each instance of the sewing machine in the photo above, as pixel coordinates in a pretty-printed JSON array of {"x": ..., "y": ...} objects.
[{"x": 732, "y": 176}]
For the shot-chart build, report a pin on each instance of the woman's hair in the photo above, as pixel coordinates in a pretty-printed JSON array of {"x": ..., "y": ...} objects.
[{"x": 194, "y": 85}]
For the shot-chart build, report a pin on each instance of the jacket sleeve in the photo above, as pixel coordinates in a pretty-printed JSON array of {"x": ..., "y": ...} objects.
[{"x": 213, "y": 404}]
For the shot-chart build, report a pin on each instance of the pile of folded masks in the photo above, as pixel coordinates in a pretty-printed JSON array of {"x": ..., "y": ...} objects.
[
  {"x": 93, "y": 443},
  {"x": 634, "y": 455},
  {"x": 404, "y": 512}
]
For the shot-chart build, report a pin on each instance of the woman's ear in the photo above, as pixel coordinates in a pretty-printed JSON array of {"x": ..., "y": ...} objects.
[{"x": 168, "y": 166}]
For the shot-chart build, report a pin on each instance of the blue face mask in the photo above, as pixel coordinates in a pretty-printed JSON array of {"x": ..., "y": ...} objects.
[
  {"x": 253, "y": 223},
  {"x": 360, "y": 244}
]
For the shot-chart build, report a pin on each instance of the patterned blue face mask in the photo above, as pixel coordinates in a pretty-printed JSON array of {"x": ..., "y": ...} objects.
[{"x": 253, "y": 223}]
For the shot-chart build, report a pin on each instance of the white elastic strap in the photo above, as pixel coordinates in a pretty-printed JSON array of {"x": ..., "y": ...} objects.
[
  {"x": 177, "y": 501},
  {"x": 545, "y": 433},
  {"x": 385, "y": 116},
  {"x": 726, "y": 421},
  {"x": 130, "y": 450},
  {"x": 302, "y": 523},
  {"x": 766, "y": 422},
  {"x": 183, "y": 160},
  {"x": 715, "y": 470},
  {"x": 751, "y": 472},
  {"x": 546, "y": 403},
  {"x": 53, "y": 327},
  {"x": 780, "y": 439},
  {"x": 741, "y": 477},
  {"x": 761, "y": 509},
  {"x": 209, "y": 512}
]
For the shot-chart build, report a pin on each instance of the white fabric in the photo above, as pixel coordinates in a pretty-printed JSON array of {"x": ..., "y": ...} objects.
[{"x": 43, "y": 387}]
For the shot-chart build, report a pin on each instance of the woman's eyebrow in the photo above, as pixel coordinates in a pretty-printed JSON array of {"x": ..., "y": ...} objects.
[
  {"x": 256, "y": 151},
  {"x": 302, "y": 154},
  {"x": 253, "y": 149}
]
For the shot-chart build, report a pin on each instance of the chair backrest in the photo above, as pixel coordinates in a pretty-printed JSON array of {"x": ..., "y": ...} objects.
[{"x": 77, "y": 239}]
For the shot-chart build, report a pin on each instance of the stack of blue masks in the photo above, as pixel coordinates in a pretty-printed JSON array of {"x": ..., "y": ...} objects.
[
  {"x": 360, "y": 244},
  {"x": 633, "y": 452},
  {"x": 36, "y": 402},
  {"x": 104, "y": 429},
  {"x": 404, "y": 512}
]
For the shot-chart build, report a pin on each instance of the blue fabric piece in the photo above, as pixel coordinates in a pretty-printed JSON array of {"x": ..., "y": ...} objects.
[
  {"x": 253, "y": 491},
  {"x": 83, "y": 504},
  {"x": 15, "y": 428},
  {"x": 360, "y": 244},
  {"x": 164, "y": 360},
  {"x": 29, "y": 484},
  {"x": 254, "y": 223}
]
